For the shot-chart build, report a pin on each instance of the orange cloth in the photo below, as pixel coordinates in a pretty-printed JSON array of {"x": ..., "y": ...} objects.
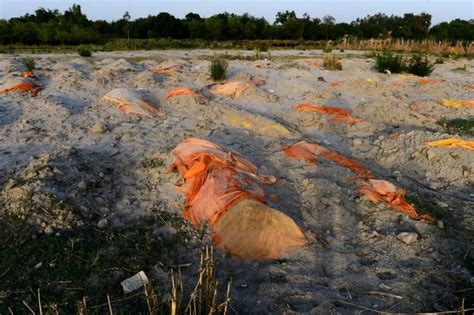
[
  {"x": 428, "y": 81},
  {"x": 181, "y": 91},
  {"x": 337, "y": 113},
  {"x": 24, "y": 86},
  {"x": 452, "y": 143},
  {"x": 27, "y": 74},
  {"x": 232, "y": 89},
  {"x": 312, "y": 63},
  {"x": 335, "y": 84},
  {"x": 164, "y": 70},
  {"x": 223, "y": 189},
  {"x": 374, "y": 190}
]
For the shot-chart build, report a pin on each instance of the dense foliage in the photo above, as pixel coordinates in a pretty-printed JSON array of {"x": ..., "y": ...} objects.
[
  {"x": 73, "y": 27},
  {"x": 218, "y": 69},
  {"x": 418, "y": 64},
  {"x": 388, "y": 61}
]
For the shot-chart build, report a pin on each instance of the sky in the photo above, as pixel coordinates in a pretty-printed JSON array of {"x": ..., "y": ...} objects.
[{"x": 342, "y": 10}]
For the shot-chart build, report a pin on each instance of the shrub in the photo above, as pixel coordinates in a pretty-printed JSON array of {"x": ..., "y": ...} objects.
[
  {"x": 390, "y": 62},
  {"x": 327, "y": 49},
  {"x": 420, "y": 65},
  {"x": 218, "y": 69},
  {"x": 332, "y": 62},
  {"x": 84, "y": 52},
  {"x": 28, "y": 62}
]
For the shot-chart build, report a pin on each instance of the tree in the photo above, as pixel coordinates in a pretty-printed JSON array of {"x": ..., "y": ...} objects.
[
  {"x": 328, "y": 22},
  {"x": 282, "y": 17},
  {"x": 127, "y": 17}
]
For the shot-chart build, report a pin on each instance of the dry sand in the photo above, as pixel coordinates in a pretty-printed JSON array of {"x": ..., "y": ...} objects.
[{"x": 67, "y": 145}]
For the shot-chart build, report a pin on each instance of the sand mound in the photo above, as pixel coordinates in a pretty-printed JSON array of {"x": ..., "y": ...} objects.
[
  {"x": 393, "y": 112},
  {"x": 441, "y": 167},
  {"x": 146, "y": 79},
  {"x": 134, "y": 101}
]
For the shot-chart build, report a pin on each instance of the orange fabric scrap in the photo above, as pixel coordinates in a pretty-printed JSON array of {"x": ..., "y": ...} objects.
[
  {"x": 23, "y": 86},
  {"x": 470, "y": 87},
  {"x": 177, "y": 91},
  {"x": 452, "y": 143},
  {"x": 164, "y": 70},
  {"x": 374, "y": 190},
  {"x": 27, "y": 74},
  {"x": 335, "y": 84},
  {"x": 429, "y": 81},
  {"x": 336, "y": 112},
  {"x": 312, "y": 63},
  {"x": 233, "y": 89},
  {"x": 223, "y": 189}
]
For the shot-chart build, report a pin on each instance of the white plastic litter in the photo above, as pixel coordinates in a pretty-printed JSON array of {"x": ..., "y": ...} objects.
[{"x": 135, "y": 282}]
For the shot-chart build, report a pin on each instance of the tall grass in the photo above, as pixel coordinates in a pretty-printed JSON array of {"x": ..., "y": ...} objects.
[{"x": 428, "y": 45}]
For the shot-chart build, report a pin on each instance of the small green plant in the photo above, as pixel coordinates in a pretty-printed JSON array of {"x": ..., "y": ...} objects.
[
  {"x": 458, "y": 126},
  {"x": 28, "y": 62},
  {"x": 331, "y": 62},
  {"x": 218, "y": 69},
  {"x": 84, "y": 52},
  {"x": 388, "y": 61},
  {"x": 420, "y": 65}
]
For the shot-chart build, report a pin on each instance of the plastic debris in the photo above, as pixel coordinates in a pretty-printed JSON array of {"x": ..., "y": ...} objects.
[
  {"x": 452, "y": 143},
  {"x": 231, "y": 89},
  {"x": 375, "y": 190},
  {"x": 223, "y": 189},
  {"x": 456, "y": 103},
  {"x": 133, "y": 101},
  {"x": 135, "y": 282},
  {"x": 337, "y": 113},
  {"x": 22, "y": 86}
]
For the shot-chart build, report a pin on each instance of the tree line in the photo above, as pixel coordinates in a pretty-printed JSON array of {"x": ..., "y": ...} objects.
[{"x": 73, "y": 27}]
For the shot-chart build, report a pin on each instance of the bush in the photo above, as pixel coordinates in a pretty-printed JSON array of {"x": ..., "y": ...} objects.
[
  {"x": 332, "y": 62},
  {"x": 328, "y": 48},
  {"x": 419, "y": 65},
  {"x": 84, "y": 52},
  {"x": 390, "y": 62},
  {"x": 28, "y": 62},
  {"x": 218, "y": 69},
  {"x": 439, "y": 60}
]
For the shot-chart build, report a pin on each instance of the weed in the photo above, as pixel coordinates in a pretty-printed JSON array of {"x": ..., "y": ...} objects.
[
  {"x": 84, "y": 52},
  {"x": 332, "y": 62},
  {"x": 152, "y": 163},
  {"x": 218, "y": 69},
  {"x": 458, "y": 126},
  {"x": 388, "y": 61},
  {"x": 328, "y": 48},
  {"x": 28, "y": 62},
  {"x": 419, "y": 65}
]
